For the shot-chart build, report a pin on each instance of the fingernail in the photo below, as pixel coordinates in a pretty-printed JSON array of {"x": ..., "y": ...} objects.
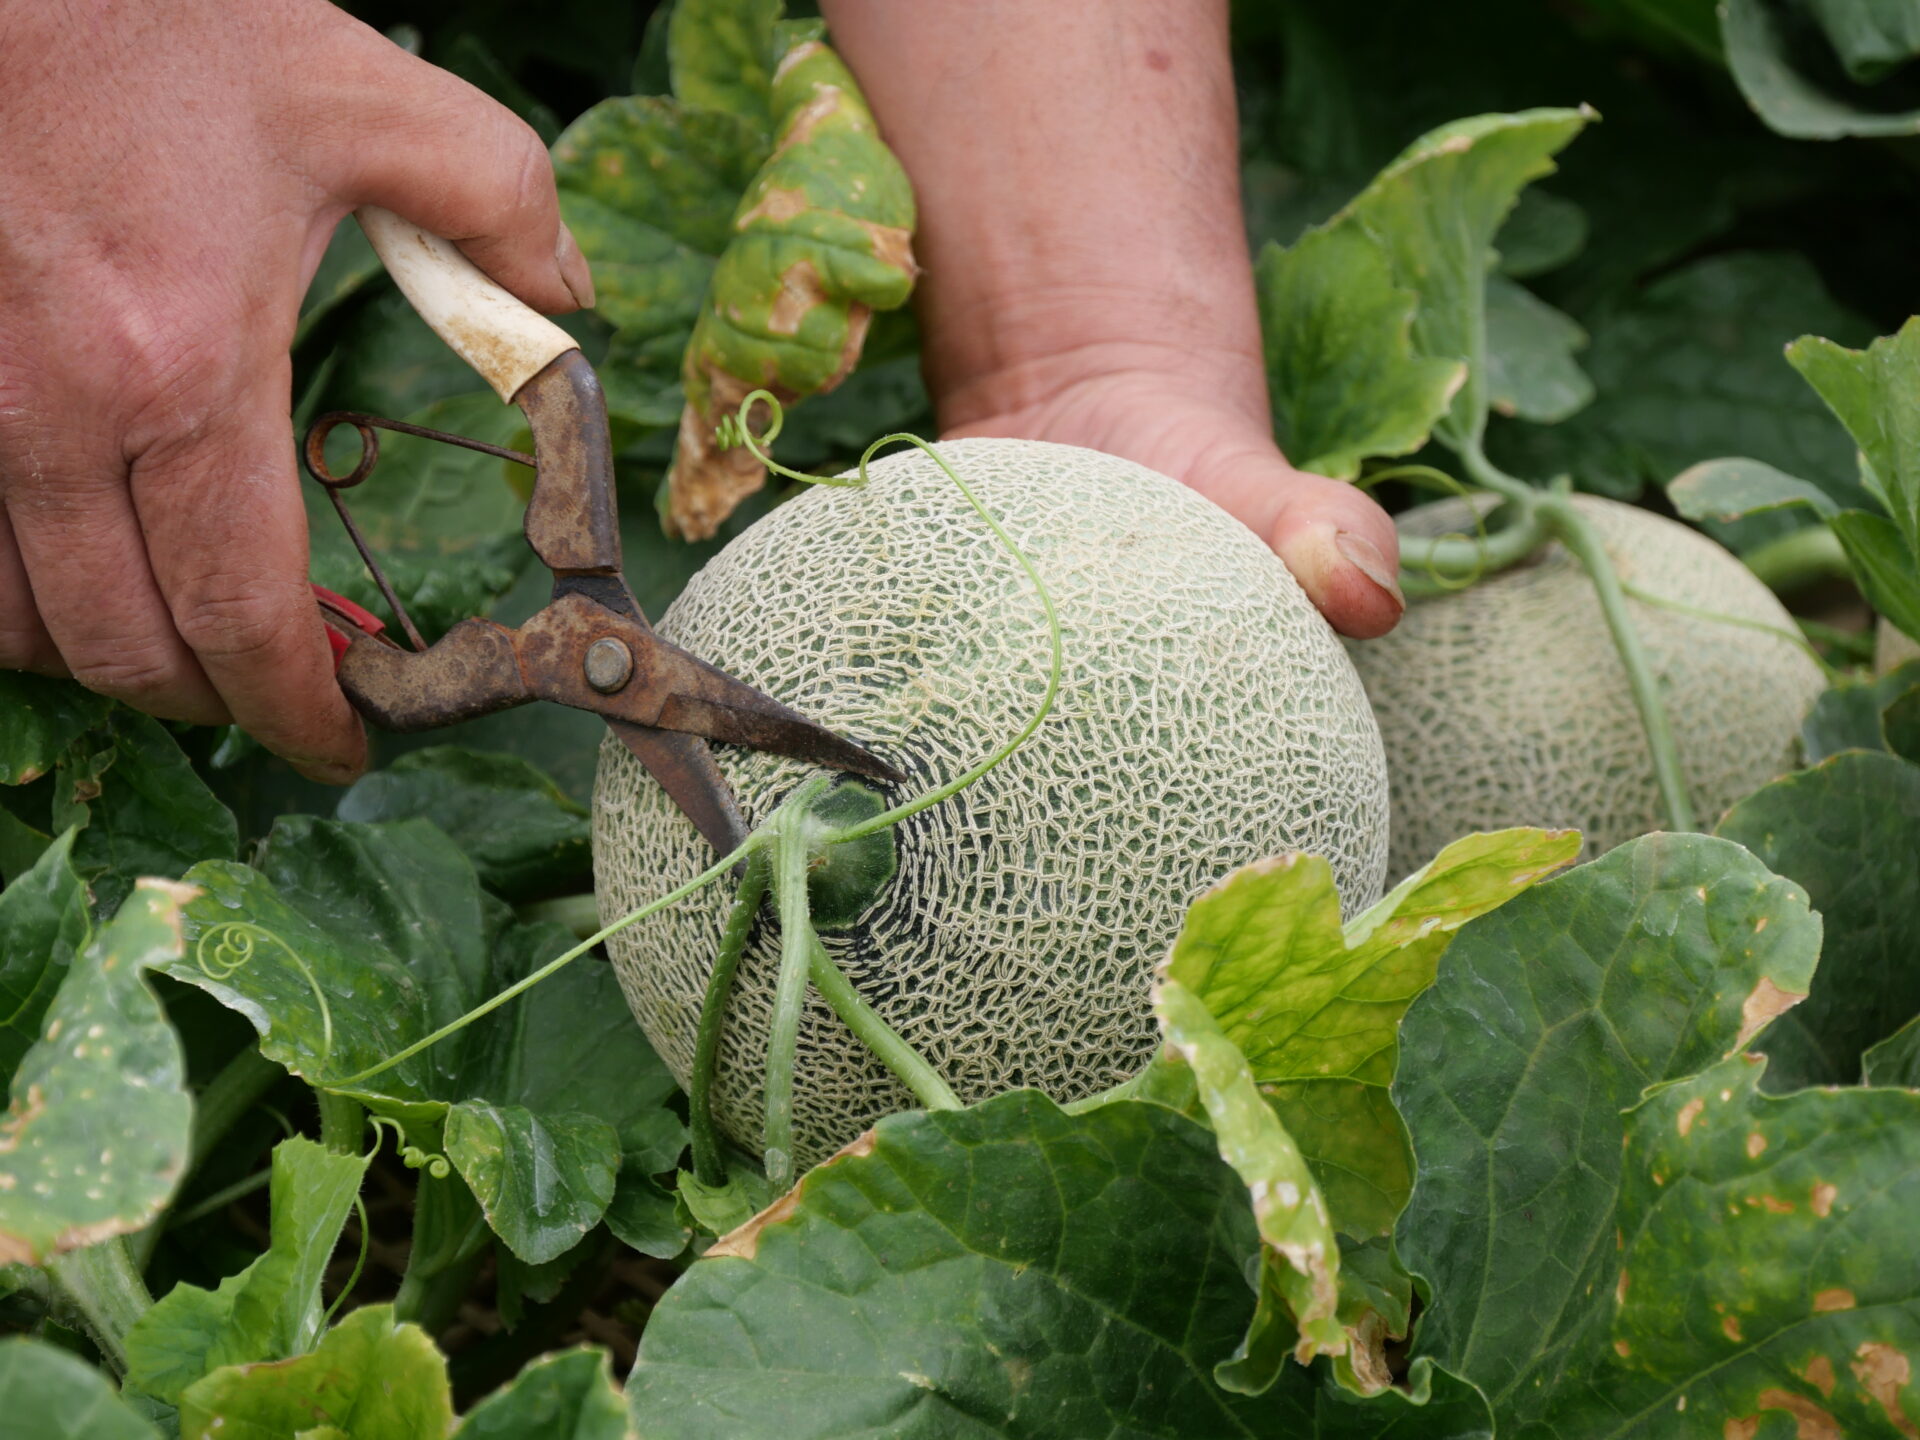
[
  {"x": 573, "y": 268},
  {"x": 1365, "y": 557}
]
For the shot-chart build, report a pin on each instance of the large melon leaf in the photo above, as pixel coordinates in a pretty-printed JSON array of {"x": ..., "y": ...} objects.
[
  {"x": 350, "y": 942},
  {"x": 1848, "y": 832},
  {"x": 1550, "y": 1018},
  {"x": 526, "y": 838},
  {"x": 1315, "y": 1007},
  {"x": 1767, "y": 1262},
  {"x": 96, "y": 1136},
  {"x": 1006, "y": 1270}
]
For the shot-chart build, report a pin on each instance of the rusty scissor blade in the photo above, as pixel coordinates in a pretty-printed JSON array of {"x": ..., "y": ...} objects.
[
  {"x": 701, "y": 699},
  {"x": 685, "y": 769}
]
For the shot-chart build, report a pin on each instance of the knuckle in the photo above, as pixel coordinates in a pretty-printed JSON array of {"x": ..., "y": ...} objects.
[
  {"x": 138, "y": 676},
  {"x": 527, "y": 186},
  {"x": 231, "y": 622}
]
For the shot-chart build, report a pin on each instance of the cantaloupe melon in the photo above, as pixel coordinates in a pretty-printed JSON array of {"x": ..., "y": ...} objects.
[
  {"x": 1506, "y": 703},
  {"x": 1207, "y": 717}
]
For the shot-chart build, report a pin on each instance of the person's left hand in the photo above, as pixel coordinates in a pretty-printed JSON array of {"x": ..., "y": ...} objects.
[{"x": 1338, "y": 543}]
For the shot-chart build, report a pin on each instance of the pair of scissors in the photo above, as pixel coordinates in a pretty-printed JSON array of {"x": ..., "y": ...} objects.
[{"x": 591, "y": 647}]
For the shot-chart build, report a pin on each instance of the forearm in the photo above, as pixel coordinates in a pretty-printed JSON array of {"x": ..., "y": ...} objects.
[{"x": 1077, "y": 171}]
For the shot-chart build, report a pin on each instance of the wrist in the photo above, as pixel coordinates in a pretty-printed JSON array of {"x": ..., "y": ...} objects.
[{"x": 1001, "y": 354}]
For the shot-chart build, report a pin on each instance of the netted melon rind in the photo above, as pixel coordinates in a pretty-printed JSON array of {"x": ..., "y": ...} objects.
[
  {"x": 1506, "y": 703},
  {"x": 1208, "y": 717}
]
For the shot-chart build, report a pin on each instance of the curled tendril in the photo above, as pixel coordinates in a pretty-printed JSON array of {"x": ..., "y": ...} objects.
[
  {"x": 1432, "y": 478},
  {"x": 411, "y": 1156},
  {"x": 230, "y": 946},
  {"x": 737, "y": 430}
]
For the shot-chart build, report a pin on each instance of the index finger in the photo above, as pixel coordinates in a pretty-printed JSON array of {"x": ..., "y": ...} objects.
[{"x": 227, "y": 538}]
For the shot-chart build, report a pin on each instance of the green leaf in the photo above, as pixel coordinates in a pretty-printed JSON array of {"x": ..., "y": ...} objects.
[
  {"x": 525, "y": 838},
  {"x": 1299, "y": 1260},
  {"x": 44, "y": 924},
  {"x": 47, "y": 1393},
  {"x": 1316, "y": 1007},
  {"x": 1768, "y": 1260},
  {"x": 721, "y": 56},
  {"x": 1548, "y": 1019},
  {"x": 1689, "y": 367},
  {"x": 568, "y": 1396},
  {"x": 95, "y": 1138},
  {"x": 724, "y": 1208},
  {"x": 1848, "y": 716},
  {"x": 44, "y": 717},
  {"x": 1900, "y": 722},
  {"x": 1531, "y": 372},
  {"x": 1876, "y": 394},
  {"x": 1543, "y": 232},
  {"x": 1873, "y": 38},
  {"x": 643, "y": 1215},
  {"x": 444, "y": 522},
  {"x": 1341, "y": 373},
  {"x": 272, "y": 1309},
  {"x": 1847, "y": 831},
  {"x": 1770, "y": 63},
  {"x": 350, "y": 942},
  {"x": 370, "y": 1379},
  {"x": 1435, "y": 211},
  {"x": 142, "y": 808},
  {"x": 542, "y": 1180},
  {"x": 1008, "y": 1269},
  {"x": 1895, "y": 1060},
  {"x": 1728, "y": 488},
  {"x": 1883, "y": 567}
]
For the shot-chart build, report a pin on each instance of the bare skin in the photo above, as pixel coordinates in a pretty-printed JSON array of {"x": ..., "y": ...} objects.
[
  {"x": 173, "y": 170},
  {"x": 172, "y": 173},
  {"x": 1086, "y": 274}
]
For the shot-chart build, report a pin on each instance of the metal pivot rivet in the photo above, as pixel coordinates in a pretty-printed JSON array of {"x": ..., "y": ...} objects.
[{"x": 609, "y": 665}]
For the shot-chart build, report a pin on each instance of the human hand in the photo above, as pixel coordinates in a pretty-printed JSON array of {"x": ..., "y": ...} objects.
[
  {"x": 1087, "y": 278},
  {"x": 173, "y": 173},
  {"x": 1338, "y": 543}
]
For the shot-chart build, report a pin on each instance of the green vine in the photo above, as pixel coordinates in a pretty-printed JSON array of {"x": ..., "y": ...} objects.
[{"x": 228, "y": 947}]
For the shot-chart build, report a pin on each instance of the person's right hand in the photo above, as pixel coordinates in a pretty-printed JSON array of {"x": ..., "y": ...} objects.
[{"x": 172, "y": 172}]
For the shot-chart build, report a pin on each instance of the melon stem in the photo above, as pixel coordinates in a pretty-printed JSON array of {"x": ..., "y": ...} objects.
[
  {"x": 709, "y": 1157},
  {"x": 906, "y": 1063},
  {"x": 797, "y": 937},
  {"x": 1575, "y": 532}
]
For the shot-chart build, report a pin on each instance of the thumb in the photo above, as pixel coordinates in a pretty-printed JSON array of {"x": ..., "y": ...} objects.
[
  {"x": 1343, "y": 550},
  {"x": 414, "y": 139}
]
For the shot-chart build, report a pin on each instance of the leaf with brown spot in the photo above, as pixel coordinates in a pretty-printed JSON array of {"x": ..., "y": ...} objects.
[
  {"x": 1548, "y": 1019},
  {"x": 96, "y": 1137},
  {"x": 1842, "y": 1282},
  {"x": 821, "y": 239}
]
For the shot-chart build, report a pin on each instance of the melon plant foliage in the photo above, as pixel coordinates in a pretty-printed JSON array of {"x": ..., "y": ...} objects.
[{"x": 1620, "y": 1141}]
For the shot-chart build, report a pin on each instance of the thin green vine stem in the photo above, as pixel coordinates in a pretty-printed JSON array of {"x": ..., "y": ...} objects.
[
  {"x": 1739, "y": 622},
  {"x": 1450, "y": 563},
  {"x": 559, "y": 962},
  {"x": 790, "y": 857},
  {"x": 1490, "y": 476},
  {"x": 709, "y": 1155},
  {"x": 1576, "y": 532},
  {"x": 907, "y": 1064}
]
